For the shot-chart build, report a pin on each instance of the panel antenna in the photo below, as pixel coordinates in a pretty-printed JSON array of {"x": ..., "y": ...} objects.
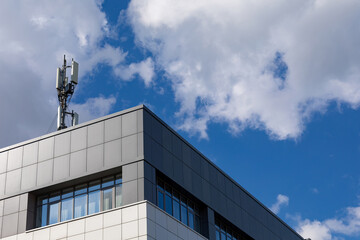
[{"x": 65, "y": 90}]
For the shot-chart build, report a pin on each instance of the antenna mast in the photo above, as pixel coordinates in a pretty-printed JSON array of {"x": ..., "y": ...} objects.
[{"x": 65, "y": 90}]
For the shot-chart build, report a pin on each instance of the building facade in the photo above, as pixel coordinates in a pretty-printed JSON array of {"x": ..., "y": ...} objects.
[{"x": 125, "y": 176}]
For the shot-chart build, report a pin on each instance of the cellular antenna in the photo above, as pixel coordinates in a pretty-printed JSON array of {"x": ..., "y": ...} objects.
[{"x": 65, "y": 90}]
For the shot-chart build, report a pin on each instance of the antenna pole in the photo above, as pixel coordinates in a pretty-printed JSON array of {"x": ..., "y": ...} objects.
[{"x": 65, "y": 90}]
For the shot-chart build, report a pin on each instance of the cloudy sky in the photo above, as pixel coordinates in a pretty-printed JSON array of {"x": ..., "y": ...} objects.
[{"x": 269, "y": 90}]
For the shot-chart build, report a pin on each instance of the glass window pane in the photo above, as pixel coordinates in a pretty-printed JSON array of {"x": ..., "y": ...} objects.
[
  {"x": 67, "y": 209},
  {"x": 80, "y": 206},
  {"x": 107, "y": 199},
  {"x": 41, "y": 216},
  {"x": 118, "y": 179},
  {"x": 107, "y": 182},
  {"x": 176, "y": 196},
  {"x": 54, "y": 197},
  {"x": 118, "y": 195},
  {"x": 176, "y": 210},
  {"x": 217, "y": 235},
  {"x": 94, "y": 185},
  {"x": 168, "y": 189},
  {"x": 94, "y": 202},
  {"x": 184, "y": 215},
  {"x": 67, "y": 193},
  {"x": 80, "y": 189},
  {"x": 168, "y": 204},
  {"x": 191, "y": 220},
  {"x": 191, "y": 206},
  {"x": 160, "y": 200},
  {"x": 53, "y": 213},
  {"x": 197, "y": 223},
  {"x": 223, "y": 235}
]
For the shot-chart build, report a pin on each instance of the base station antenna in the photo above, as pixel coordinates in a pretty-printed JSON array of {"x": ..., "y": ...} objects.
[{"x": 65, "y": 90}]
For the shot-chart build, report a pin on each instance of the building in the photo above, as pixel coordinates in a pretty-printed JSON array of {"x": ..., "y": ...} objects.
[{"x": 124, "y": 176}]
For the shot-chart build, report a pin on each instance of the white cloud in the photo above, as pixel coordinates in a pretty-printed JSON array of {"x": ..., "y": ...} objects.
[
  {"x": 94, "y": 108},
  {"x": 32, "y": 46},
  {"x": 333, "y": 228},
  {"x": 281, "y": 201},
  {"x": 220, "y": 57}
]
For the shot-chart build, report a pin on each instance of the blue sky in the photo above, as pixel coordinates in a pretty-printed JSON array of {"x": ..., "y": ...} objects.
[{"x": 268, "y": 91}]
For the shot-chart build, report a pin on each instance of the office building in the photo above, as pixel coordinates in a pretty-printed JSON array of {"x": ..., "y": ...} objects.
[{"x": 124, "y": 176}]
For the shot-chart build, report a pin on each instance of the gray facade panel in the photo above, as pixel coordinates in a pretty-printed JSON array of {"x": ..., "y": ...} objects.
[
  {"x": 113, "y": 129},
  {"x": 30, "y": 154},
  {"x": 95, "y": 134},
  {"x": 130, "y": 172},
  {"x": 61, "y": 167},
  {"x": 129, "y": 148},
  {"x": 78, "y": 163},
  {"x": 10, "y": 225},
  {"x": 3, "y": 161},
  {"x": 62, "y": 144},
  {"x": 15, "y": 159},
  {"x": 13, "y": 182},
  {"x": 78, "y": 139},
  {"x": 45, "y": 173},
  {"x": 46, "y": 149},
  {"x": 130, "y": 192},
  {"x": 22, "y": 222},
  {"x": 129, "y": 124},
  {"x": 95, "y": 158},
  {"x": 28, "y": 177},
  {"x": 11, "y": 205},
  {"x": 2, "y": 184},
  {"x": 112, "y": 153}
]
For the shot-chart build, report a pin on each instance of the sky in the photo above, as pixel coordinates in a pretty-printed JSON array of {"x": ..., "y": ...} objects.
[{"x": 268, "y": 90}]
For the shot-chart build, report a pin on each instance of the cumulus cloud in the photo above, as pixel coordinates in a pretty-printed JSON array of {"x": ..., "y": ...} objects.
[
  {"x": 281, "y": 201},
  {"x": 32, "y": 46},
  {"x": 260, "y": 64},
  {"x": 333, "y": 228}
]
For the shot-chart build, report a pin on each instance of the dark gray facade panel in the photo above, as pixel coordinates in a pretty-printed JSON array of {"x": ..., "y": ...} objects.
[{"x": 220, "y": 192}]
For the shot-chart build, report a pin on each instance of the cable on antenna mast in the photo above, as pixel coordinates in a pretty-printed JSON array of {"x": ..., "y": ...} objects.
[{"x": 65, "y": 90}]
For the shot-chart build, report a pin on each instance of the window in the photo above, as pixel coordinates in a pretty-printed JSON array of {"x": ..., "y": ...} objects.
[
  {"x": 79, "y": 200},
  {"x": 225, "y": 231},
  {"x": 178, "y": 205}
]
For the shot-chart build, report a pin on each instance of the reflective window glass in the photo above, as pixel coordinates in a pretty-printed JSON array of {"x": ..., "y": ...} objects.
[
  {"x": 168, "y": 204},
  {"x": 161, "y": 200},
  {"x": 80, "y": 206},
  {"x": 67, "y": 193},
  {"x": 54, "y": 197},
  {"x": 94, "y": 185},
  {"x": 118, "y": 195},
  {"x": 94, "y": 202},
  {"x": 176, "y": 210},
  {"x": 80, "y": 189},
  {"x": 191, "y": 220},
  {"x": 67, "y": 209},
  {"x": 107, "y": 199},
  {"x": 107, "y": 182},
  {"x": 184, "y": 214},
  {"x": 54, "y": 213}
]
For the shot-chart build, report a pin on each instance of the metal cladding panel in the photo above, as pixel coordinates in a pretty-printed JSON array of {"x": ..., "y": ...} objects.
[{"x": 165, "y": 149}]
